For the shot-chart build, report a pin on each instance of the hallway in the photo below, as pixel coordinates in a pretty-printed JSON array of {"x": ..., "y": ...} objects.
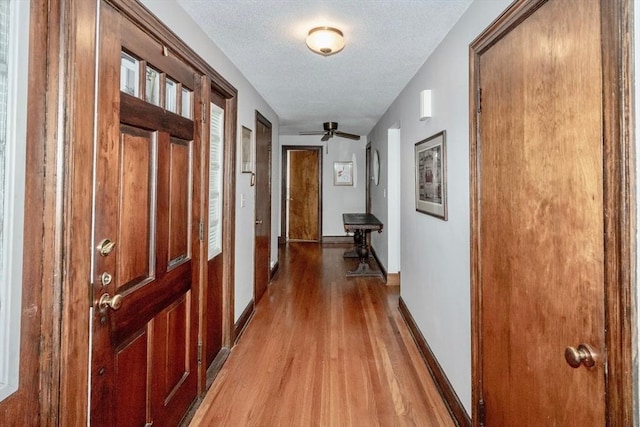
[{"x": 324, "y": 350}]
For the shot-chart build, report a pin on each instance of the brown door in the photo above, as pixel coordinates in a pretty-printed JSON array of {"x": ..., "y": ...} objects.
[
  {"x": 304, "y": 195},
  {"x": 539, "y": 265},
  {"x": 144, "y": 347},
  {"x": 367, "y": 185},
  {"x": 262, "y": 267}
]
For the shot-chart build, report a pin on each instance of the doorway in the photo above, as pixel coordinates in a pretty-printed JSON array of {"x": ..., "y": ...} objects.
[
  {"x": 301, "y": 193},
  {"x": 550, "y": 336}
]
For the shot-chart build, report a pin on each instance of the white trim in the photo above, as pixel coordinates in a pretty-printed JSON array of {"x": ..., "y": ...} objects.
[{"x": 11, "y": 286}]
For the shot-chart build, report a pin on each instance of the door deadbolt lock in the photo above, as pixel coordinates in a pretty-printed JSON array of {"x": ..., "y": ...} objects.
[
  {"x": 106, "y": 279},
  {"x": 106, "y": 247}
]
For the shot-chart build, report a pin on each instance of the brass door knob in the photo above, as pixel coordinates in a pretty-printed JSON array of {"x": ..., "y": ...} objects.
[
  {"x": 258, "y": 221},
  {"x": 583, "y": 355},
  {"x": 113, "y": 303}
]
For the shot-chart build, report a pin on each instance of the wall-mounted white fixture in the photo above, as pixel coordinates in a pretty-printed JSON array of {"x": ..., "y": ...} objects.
[
  {"x": 325, "y": 40},
  {"x": 425, "y": 104}
]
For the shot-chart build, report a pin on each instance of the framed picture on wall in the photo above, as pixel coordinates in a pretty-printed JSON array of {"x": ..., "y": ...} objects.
[
  {"x": 342, "y": 173},
  {"x": 431, "y": 175},
  {"x": 246, "y": 151}
]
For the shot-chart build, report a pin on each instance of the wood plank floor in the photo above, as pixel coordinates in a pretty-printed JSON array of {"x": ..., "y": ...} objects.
[{"x": 324, "y": 350}]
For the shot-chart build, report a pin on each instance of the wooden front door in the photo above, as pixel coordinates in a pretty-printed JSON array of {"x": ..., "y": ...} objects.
[
  {"x": 262, "y": 256},
  {"x": 145, "y": 252},
  {"x": 304, "y": 195},
  {"x": 539, "y": 240}
]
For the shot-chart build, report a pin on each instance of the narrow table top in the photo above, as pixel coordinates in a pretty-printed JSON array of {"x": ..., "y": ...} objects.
[{"x": 361, "y": 221}]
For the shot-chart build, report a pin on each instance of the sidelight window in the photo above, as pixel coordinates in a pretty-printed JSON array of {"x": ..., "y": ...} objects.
[
  {"x": 216, "y": 138},
  {"x": 14, "y": 38}
]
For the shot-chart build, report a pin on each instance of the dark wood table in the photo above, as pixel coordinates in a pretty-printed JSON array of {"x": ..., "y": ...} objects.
[{"x": 361, "y": 224}]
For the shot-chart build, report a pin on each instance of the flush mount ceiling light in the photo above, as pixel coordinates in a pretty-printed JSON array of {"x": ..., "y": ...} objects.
[{"x": 325, "y": 40}]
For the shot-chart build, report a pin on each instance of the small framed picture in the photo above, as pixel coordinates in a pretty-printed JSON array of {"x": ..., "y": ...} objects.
[
  {"x": 342, "y": 173},
  {"x": 431, "y": 176},
  {"x": 246, "y": 151}
]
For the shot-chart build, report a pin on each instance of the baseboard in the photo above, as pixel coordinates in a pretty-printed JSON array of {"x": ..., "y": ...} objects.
[
  {"x": 382, "y": 269},
  {"x": 451, "y": 399},
  {"x": 216, "y": 366},
  {"x": 337, "y": 239},
  {"x": 274, "y": 270},
  {"x": 243, "y": 320},
  {"x": 393, "y": 279}
]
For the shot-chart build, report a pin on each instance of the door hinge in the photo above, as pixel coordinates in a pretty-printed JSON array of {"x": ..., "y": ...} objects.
[
  {"x": 479, "y": 100},
  {"x": 204, "y": 113},
  {"x": 481, "y": 413},
  {"x": 199, "y": 352},
  {"x": 201, "y": 231}
]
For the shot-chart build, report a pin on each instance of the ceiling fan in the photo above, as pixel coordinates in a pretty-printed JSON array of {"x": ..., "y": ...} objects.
[{"x": 331, "y": 130}]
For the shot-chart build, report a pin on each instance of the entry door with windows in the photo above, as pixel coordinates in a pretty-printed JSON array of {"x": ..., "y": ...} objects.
[
  {"x": 145, "y": 252},
  {"x": 542, "y": 243}
]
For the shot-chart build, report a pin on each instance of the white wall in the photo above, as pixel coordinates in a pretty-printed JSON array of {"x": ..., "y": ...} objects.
[
  {"x": 435, "y": 255},
  {"x": 336, "y": 200},
  {"x": 249, "y": 100}
]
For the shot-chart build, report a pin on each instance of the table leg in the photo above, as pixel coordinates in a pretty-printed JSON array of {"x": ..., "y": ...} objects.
[
  {"x": 362, "y": 251},
  {"x": 353, "y": 253}
]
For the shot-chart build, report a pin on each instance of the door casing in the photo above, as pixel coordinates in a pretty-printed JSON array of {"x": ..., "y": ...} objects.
[{"x": 616, "y": 22}]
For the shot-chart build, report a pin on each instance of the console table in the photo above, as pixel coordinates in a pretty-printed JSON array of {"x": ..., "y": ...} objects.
[{"x": 360, "y": 224}]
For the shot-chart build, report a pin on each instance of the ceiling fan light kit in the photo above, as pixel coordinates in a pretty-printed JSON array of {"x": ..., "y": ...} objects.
[{"x": 325, "y": 41}]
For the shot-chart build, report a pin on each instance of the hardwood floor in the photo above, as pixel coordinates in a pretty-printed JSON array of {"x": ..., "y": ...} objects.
[{"x": 324, "y": 350}]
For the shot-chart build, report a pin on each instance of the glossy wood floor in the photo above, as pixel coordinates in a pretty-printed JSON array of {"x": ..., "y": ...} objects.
[{"x": 324, "y": 350}]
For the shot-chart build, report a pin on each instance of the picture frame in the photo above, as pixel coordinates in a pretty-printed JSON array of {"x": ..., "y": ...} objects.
[
  {"x": 343, "y": 173},
  {"x": 431, "y": 175},
  {"x": 246, "y": 151}
]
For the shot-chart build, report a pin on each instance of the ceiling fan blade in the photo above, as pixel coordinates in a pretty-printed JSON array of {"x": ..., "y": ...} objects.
[
  {"x": 325, "y": 137},
  {"x": 312, "y": 132},
  {"x": 347, "y": 135}
]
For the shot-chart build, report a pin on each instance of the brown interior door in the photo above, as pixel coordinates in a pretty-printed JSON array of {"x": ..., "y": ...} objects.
[
  {"x": 144, "y": 348},
  {"x": 539, "y": 220},
  {"x": 304, "y": 195},
  {"x": 262, "y": 255}
]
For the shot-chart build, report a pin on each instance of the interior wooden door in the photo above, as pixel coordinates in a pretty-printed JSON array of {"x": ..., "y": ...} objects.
[
  {"x": 262, "y": 255},
  {"x": 144, "y": 347},
  {"x": 539, "y": 220},
  {"x": 304, "y": 195}
]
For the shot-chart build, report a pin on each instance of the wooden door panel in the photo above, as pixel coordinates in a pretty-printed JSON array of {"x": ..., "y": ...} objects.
[
  {"x": 174, "y": 383},
  {"x": 130, "y": 364},
  {"x": 213, "y": 308},
  {"x": 541, "y": 221},
  {"x": 135, "y": 204},
  {"x": 303, "y": 195},
  {"x": 179, "y": 201}
]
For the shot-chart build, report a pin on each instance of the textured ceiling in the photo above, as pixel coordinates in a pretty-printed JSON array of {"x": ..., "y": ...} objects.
[{"x": 386, "y": 43}]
